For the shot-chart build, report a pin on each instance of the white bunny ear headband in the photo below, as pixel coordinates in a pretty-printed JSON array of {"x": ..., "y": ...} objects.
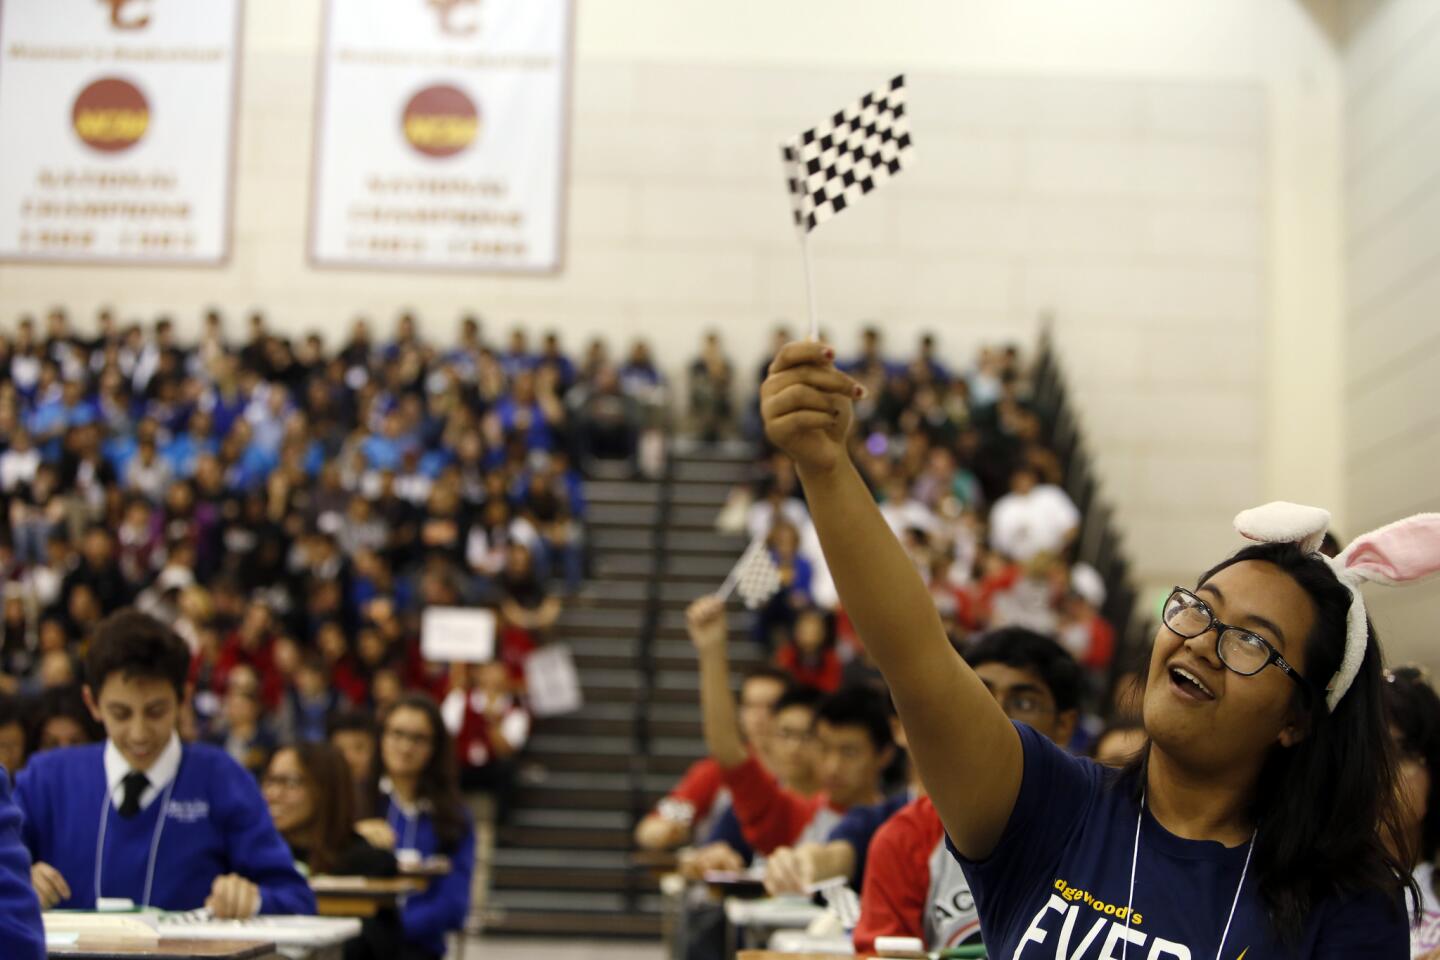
[{"x": 1398, "y": 553}]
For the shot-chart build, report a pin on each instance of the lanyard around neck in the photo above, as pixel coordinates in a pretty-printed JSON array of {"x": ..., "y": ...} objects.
[
  {"x": 1135, "y": 859},
  {"x": 154, "y": 837}
]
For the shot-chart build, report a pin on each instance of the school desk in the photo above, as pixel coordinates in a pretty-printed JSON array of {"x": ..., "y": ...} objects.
[
  {"x": 362, "y": 896},
  {"x": 166, "y": 950}
]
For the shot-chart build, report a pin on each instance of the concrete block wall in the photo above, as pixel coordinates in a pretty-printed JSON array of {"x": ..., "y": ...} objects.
[{"x": 1392, "y": 379}]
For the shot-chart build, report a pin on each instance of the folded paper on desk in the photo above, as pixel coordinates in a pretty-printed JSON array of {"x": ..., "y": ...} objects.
[{"x": 96, "y": 926}]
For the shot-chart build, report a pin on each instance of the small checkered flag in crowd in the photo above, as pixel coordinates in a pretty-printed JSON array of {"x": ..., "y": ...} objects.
[
  {"x": 840, "y": 899},
  {"x": 755, "y": 578},
  {"x": 834, "y": 164}
]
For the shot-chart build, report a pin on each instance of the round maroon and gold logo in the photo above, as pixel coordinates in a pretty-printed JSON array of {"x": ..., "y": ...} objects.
[
  {"x": 111, "y": 115},
  {"x": 440, "y": 121}
]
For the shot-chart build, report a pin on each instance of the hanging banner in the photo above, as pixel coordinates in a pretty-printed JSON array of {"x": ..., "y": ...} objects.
[
  {"x": 117, "y": 130},
  {"x": 442, "y": 135}
]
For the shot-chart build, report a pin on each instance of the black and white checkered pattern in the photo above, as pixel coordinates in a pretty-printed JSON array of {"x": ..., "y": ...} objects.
[
  {"x": 832, "y": 165},
  {"x": 757, "y": 578}
]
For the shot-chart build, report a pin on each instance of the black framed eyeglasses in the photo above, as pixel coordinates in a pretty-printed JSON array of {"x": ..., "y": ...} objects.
[{"x": 1241, "y": 651}]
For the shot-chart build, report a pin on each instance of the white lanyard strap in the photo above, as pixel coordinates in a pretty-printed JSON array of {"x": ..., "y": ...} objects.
[
  {"x": 154, "y": 839},
  {"x": 1135, "y": 859}
]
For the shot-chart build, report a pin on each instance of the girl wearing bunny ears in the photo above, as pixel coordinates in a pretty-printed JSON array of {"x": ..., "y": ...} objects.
[{"x": 1254, "y": 825}]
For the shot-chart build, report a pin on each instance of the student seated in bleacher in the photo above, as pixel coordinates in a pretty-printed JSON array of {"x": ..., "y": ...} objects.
[
  {"x": 1119, "y": 743},
  {"x": 490, "y": 726},
  {"x": 352, "y": 733},
  {"x": 914, "y": 888},
  {"x": 61, "y": 720},
  {"x": 853, "y": 741},
  {"x": 1412, "y": 710},
  {"x": 691, "y": 808},
  {"x": 14, "y": 743},
  {"x": 307, "y": 788},
  {"x": 143, "y": 816},
  {"x": 791, "y": 757},
  {"x": 808, "y": 654},
  {"x": 20, "y": 928},
  {"x": 844, "y": 854},
  {"x": 419, "y": 814}
]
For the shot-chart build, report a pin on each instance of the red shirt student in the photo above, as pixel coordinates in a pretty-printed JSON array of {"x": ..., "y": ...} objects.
[
  {"x": 687, "y": 809},
  {"x": 852, "y": 737},
  {"x": 809, "y": 655},
  {"x": 490, "y": 726}
]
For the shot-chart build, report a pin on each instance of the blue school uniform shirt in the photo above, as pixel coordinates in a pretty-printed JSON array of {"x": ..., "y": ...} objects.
[
  {"x": 1056, "y": 886},
  {"x": 427, "y": 917},
  {"x": 860, "y": 824},
  {"x": 20, "y": 928},
  {"x": 215, "y": 823}
]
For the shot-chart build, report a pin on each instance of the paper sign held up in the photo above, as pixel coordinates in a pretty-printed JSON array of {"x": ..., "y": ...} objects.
[{"x": 457, "y": 635}]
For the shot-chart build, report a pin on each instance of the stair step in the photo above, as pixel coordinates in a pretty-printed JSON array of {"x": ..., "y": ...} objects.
[
  {"x": 563, "y": 838},
  {"x": 638, "y": 516},
  {"x": 590, "y": 819},
  {"x": 582, "y": 620},
  {"x": 550, "y": 924},
  {"x": 704, "y": 494},
  {"x": 622, "y": 491},
  {"x": 713, "y": 471}
]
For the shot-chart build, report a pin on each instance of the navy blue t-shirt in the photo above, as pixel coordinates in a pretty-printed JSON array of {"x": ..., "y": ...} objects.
[{"x": 1056, "y": 886}]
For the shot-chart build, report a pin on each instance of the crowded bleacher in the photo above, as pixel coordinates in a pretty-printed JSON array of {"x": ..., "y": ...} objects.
[{"x": 260, "y": 526}]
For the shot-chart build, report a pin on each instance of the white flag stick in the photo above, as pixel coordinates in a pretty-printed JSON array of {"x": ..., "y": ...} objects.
[
  {"x": 810, "y": 288},
  {"x": 731, "y": 581}
]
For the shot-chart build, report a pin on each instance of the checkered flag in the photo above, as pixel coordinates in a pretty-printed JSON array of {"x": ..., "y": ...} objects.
[
  {"x": 842, "y": 901},
  {"x": 832, "y": 165},
  {"x": 754, "y": 577}
]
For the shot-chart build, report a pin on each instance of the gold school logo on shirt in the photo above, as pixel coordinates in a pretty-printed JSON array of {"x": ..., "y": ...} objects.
[{"x": 1083, "y": 922}]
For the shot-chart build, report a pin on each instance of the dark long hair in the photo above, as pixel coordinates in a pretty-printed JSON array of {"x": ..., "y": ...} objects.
[
  {"x": 1414, "y": 712},
  {"x": 439, "y": 784},
  {"x": 1328, "y": 821},
  {"x": 332, "y": 798}
]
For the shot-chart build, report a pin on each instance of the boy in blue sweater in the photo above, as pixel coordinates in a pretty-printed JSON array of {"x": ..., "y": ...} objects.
[
  {"x": 143, "y": 816},
  {"x": 20, "y": 928}
]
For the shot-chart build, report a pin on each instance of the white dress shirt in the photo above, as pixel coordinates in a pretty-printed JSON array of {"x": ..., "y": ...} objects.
[{"x": 161, "y": 772}]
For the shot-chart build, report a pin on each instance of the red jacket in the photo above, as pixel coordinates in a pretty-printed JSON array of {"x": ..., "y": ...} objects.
[
  {"x": 771, "y": 816},
  {"x": 700, "y": 786},
  {"x": 822, "y": 673},
  {"x": 913, "y": 885}
]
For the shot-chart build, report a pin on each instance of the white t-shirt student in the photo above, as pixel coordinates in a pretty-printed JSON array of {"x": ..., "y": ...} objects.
[{"x": 1023, "y": 525}]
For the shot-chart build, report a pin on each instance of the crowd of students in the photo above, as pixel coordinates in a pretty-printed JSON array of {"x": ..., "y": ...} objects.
[
  {"x": 283, "y": 513},
  {"x": 1270, "y": 787},
  {"x": 260, "y": 527},
  {"x": 956, "y": 460}
]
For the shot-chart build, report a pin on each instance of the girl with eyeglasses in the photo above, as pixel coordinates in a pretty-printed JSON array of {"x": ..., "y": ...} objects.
[
  {"x": 419, "y": 814},
  {"x": 308, "y": 790},
  {"x": 1254, "y": 824}
]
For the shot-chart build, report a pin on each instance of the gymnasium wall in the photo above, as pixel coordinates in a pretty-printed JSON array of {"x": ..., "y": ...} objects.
[
  {"x": 1392, "y": 268},
  {"x": 1151, "y": 172}
]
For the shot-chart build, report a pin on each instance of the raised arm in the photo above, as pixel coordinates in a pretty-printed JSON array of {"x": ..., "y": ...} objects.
[
  {"x": 705, "y": 620},
  {"x": 967, "y": 752}
]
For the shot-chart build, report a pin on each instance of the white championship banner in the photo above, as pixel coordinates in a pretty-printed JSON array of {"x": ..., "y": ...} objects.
[
  {"x": 442, "y": 135},
  {"x": 117, "y": 130}
]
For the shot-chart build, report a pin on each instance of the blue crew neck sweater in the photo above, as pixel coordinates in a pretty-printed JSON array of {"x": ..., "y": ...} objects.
[
  {"x": 216, "y": 823},
  {"x": 20, "y": 929}
]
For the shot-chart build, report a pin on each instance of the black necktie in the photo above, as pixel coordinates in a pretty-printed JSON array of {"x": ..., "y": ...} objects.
[{"x": 135, "y": 783}]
